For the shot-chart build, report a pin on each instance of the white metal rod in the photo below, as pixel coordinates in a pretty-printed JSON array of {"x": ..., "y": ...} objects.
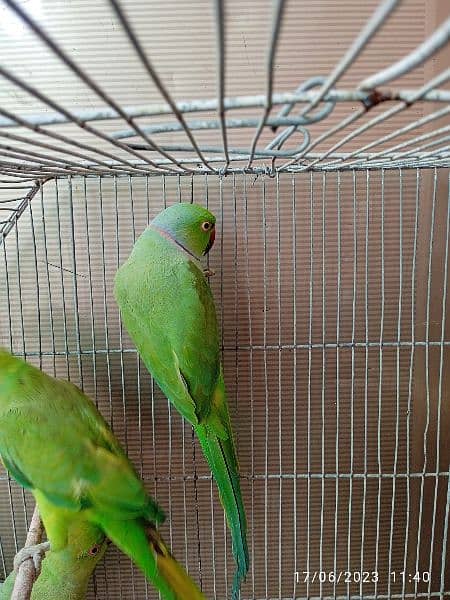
[{"x": 422, "y": 53}]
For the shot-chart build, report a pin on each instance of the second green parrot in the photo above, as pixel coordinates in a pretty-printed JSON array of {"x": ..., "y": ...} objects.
[
  {"x": 168, "y": 309},
  {"x": 54, "y": 442}
]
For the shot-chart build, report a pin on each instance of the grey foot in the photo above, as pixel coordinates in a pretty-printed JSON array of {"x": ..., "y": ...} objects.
[
  {"x": 34, "y": 552},
  {"x": 208, "y": 272}
]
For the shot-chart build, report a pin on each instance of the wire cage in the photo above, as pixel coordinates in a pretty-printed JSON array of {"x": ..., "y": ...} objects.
[{"x": 331, "y": 269}]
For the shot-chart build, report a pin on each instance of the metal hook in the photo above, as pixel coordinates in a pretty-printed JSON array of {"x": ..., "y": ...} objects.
[{"x": 322, "y": 113}]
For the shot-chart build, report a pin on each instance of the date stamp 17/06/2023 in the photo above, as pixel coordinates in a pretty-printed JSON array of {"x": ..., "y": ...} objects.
[{"x": 360, "y": 576}]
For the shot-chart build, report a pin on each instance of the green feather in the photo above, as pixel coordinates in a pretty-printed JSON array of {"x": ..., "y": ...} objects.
[{"x": 220, "y": 453}]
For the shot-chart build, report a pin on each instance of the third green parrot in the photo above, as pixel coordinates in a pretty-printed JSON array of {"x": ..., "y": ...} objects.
[
  {"x": 65, "y": 573},
  {"x": 168, "y": 309},
  {"x": 54, "y": 442}
]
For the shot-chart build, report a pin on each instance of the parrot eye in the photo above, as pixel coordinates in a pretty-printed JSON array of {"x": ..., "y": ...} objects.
[
  {"x": 94, "y": 550},
  {"x": 206, "y": 226}
]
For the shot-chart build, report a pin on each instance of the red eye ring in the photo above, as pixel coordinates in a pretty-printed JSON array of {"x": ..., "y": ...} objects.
[
  {"x": 94, "y": 550},
  {"x": 206, "y": 226}
]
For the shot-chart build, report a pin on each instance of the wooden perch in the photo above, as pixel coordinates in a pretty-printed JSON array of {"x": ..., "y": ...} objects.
[{"x": 26, "y": 573}]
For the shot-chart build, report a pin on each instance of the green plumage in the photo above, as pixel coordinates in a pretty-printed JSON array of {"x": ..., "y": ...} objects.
[
  {"x": 54, "y": 441},
  {"x": 168, "y": 309},
  {"x": 65, "y": 573}
]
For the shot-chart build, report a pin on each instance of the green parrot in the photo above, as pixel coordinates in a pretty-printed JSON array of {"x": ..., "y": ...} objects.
[
  {"x": 65, "y": 573},
  {"x": 54, "y": 442},
  {"x": 168, "y": 310}
]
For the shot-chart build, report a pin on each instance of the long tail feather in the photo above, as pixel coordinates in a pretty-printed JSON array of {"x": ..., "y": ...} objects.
[
  {"x": 221, "y": 457},
  {"x": 148, "y": 550}
]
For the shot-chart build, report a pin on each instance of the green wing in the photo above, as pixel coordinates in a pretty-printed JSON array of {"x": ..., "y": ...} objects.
[{"x": 65, "y": 448}]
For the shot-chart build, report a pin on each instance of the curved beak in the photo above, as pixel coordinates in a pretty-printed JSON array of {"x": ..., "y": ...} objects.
[{"x": 212, "y": 237}]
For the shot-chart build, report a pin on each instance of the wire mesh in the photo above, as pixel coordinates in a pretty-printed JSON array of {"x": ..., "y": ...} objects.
[
  {"x": 96, "y": 138},
  {"x": 332, "y": 296}
]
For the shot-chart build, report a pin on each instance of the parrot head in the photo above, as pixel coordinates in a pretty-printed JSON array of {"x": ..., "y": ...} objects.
[
  {"x": 66, "y": 572},
  {"x": 86, "y": 542},
  {"x": 190, "y": 225}
]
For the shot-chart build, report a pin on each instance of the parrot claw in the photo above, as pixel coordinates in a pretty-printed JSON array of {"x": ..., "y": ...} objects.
[
  {"x": 208, "y": 272},
  {"x": 34, "y": 552}
]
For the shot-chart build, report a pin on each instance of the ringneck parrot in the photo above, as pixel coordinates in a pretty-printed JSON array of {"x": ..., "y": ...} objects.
[
  {"x": 168, "y": 310},
  {"x": 54, "y": 442},
  {"x": 65, "y": 573}
]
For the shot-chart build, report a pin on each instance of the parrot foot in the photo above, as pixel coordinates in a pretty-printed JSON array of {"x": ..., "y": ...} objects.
[
  {"x": 208, "y": 272},
  {"x": 36, "y": 553}
]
